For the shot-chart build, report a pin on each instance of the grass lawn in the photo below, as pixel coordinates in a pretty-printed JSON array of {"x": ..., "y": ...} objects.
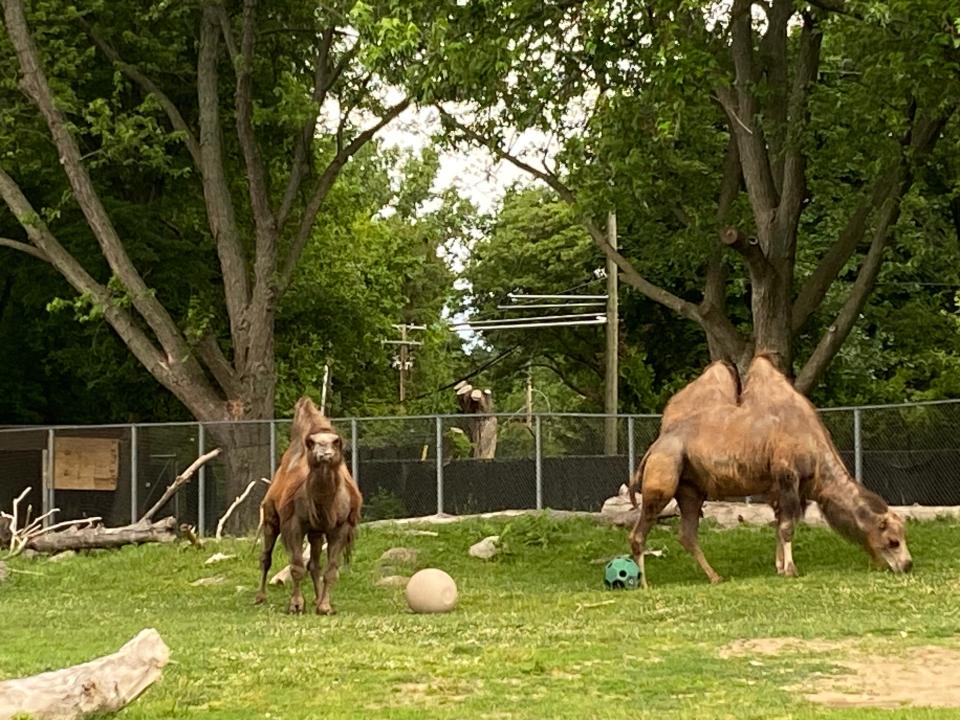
[{"x": 535, "y": 635}]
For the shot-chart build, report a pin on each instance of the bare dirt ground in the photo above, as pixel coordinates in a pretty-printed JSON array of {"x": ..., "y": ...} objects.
[{"x": 925, "y": 676}]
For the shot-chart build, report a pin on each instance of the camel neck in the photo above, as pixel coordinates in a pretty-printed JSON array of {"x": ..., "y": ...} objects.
[{"x": 322, "y": 480}]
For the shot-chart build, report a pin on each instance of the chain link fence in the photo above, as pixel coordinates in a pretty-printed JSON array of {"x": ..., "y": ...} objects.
[{"x": 414, "y": 466}]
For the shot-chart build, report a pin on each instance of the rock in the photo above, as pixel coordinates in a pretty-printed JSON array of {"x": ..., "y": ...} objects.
[
  {"x": 393, "y": 581},
  {"x": 399, "y": 556},
  {"x": 620, "y": 511},
  {"x": 59, "y": 557},
  {"x": 218, "y": 557},
  {"x": 204, "y": 582},
  {"x": 486, "y": 548}
]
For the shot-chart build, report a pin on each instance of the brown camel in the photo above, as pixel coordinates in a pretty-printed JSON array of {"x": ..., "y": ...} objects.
[
  {"x": 312, "y": 495},
  {"x": 771, "y": 443}
]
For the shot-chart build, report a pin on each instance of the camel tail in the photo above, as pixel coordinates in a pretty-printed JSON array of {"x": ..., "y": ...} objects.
[{"x": 636, "y": 480}]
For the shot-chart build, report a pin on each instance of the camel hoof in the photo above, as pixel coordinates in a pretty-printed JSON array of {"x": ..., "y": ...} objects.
[
  {"x": 260, "y": 598},
  {"x": 296, "y": 607},
  {"x": 716, "y": 580},
  {"x": 790, "y": 571},
  {"x": 326, "y": 610}
]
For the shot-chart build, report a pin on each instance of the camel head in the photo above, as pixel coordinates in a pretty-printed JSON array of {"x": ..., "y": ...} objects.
[
  {"x": 885, "y": 538},
  {"x": 324, "y": 448},
  {"x": 863, "y": 517}
]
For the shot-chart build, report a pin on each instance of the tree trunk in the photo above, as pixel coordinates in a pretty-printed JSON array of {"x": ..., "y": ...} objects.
[
  {"x": 246, "y": 458},
  {"x": 771, "y": 307},
  {"x": 100, "y": 686}
]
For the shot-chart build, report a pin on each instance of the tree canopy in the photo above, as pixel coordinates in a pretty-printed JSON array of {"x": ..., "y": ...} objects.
[{"x": 753, "y": 151}]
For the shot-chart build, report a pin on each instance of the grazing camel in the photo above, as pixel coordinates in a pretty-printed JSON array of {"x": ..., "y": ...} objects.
[
  {"x": 769, "y": 443},
  {"x": 312, "y": 495}
]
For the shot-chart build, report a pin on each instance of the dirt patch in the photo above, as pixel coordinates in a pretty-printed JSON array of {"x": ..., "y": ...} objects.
[
  {"x": 783, "y": 646},
  {"x": 924, "y": 676}
]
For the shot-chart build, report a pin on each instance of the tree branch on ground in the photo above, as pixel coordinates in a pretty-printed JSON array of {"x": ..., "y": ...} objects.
[{"x": 181, "y": 480}]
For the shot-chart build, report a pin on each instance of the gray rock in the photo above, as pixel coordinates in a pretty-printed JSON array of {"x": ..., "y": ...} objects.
[
  {"x": 399, "y": 556},
  {"x": 393, "y": 581},
  {"x": 486, "y": 548}
]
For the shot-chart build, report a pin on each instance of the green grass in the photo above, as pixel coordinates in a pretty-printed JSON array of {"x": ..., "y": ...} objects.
[{"x": 534, "y": 635}]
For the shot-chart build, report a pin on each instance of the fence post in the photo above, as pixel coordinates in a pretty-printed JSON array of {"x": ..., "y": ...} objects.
[
  {"x": 273, "y": 448},
  {"x": 354, "y": 452},
  {"x": 48, "y": 498},
  {"x": 201, "y": 484},
  {"x": 631, "y": 448},
  {"x": 538, "y": 461},
  {"x": 133, "y": 474},
  {"x": 439, "y": 465},
  {"x": 857, "y": 447}
]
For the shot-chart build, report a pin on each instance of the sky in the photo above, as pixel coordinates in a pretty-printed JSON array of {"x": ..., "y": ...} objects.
[{"x": 474, "y": 171}]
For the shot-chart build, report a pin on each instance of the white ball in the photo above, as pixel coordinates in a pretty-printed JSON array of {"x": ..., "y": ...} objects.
[{"x": 431, "y": 591}]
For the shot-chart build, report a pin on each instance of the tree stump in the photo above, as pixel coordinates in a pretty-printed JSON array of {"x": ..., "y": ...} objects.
[{"x": 481, "y": 430}]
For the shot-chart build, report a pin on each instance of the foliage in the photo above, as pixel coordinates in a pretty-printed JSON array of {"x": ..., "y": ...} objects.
[
  {"x": 383, "y": 505},
  {"x": 639, "y": 107},
  {"x": 540, "y": 623}
]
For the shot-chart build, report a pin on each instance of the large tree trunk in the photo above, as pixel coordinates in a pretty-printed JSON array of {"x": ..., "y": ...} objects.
[{"x": 246, "y": 458}]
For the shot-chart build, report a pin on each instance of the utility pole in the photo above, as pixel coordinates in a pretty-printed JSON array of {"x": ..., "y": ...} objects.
[
  {"x": 404, "y": 362},
  {"x": 529, "y": 396},
  {"x": 611, "y": 372}
]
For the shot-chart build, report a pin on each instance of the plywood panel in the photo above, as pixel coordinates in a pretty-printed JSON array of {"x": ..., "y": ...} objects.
[{"x": 82, "y": 463}]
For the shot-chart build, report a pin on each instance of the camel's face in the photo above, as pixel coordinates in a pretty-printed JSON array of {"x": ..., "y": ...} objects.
[
  {"x": 324, "y": 448},
  {"x": 887, "y": 542}
]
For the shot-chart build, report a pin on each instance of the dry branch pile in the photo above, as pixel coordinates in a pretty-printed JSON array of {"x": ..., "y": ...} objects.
[{"x": 88, "y": 533}]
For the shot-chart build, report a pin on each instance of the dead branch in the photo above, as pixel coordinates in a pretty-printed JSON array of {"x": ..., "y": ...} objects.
[
  {"x": 13, "y": 522},
  {"x": 233, "y": 506},
  {"x": 99, "y": 537},
  {"x": 104, "y": 685},
  {"x": 179, "y": 482},
  {"x": 190, "y": 533}
]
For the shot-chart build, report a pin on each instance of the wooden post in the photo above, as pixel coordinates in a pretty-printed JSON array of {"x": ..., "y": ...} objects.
[
  {"x": 529, "y": 396},
  {"x": 403, "y": 360},
  {"x": 610, "y": 381}
]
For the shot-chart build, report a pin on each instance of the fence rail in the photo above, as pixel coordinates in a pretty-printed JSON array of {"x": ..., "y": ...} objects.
[{"x": 419, "y": 465}]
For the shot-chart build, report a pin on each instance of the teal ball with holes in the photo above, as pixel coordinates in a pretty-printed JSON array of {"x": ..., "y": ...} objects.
[{"x": 621, "y": 573}]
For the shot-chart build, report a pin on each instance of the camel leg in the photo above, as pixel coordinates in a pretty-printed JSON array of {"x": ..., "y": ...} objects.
[
  {"x": 789, "y": 511},
  {"x": 266, "y": 558},
  {"x": 313, "y": 567},
  {"x": 779, "y": 556},
  {"x": 293, "y": 540},
  {"x": 337, "y": 541},
  {"x": 689, "y": 500},
  {"x": 661, "y": 476}
]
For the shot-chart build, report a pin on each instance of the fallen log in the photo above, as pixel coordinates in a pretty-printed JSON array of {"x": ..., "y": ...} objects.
[
  {"x": 90, "y": 538},
  {"x": 104, "y": 685}
]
